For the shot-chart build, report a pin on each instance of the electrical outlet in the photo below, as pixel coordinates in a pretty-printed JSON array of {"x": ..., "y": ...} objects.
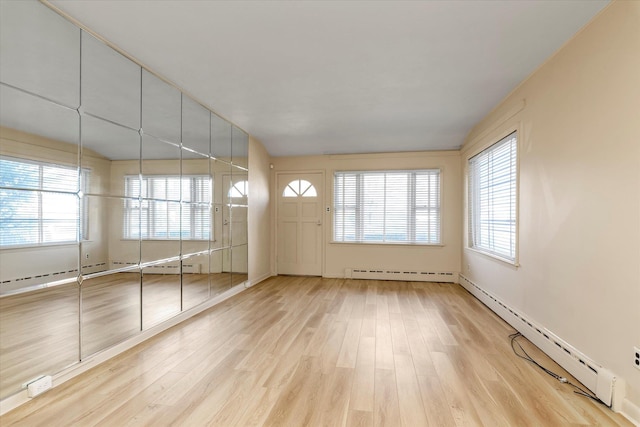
[
  {"x": 636, "y": 359},
  {"x": 39, "y": 386}
]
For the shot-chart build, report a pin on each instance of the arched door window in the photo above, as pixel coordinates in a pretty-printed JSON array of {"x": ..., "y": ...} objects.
[
  {"x": 239, "y": 189},
  {"x": 300, "y": 188}
]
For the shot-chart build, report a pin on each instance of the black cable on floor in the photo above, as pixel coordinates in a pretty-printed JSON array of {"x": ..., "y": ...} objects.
[{"x": 580, "y": 391}]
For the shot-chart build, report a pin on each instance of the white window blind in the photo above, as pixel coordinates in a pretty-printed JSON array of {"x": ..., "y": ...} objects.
[
  {"x": 387, "y": 206},
  {"x": 39, "y": 203},
  {"x": 492, "y": 199},
  {"x": 159, "y": 214}
]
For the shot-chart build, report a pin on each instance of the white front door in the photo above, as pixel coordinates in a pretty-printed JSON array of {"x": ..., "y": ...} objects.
[{"x": 300, "y": 223}]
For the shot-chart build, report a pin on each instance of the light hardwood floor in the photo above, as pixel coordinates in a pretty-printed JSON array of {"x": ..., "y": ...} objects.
[
  {"x": 296, "y": 351},
  {"x": 39, "y": 330}
]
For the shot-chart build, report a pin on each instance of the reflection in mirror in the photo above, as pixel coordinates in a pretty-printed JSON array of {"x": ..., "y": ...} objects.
[
  {"x": 220, "y": 271},
  {"x": 110, "y": 84},
  {"x": 94, "y": 230},
  {"x": 160, "y": 108},
  {"x": 195, "y": 280},
  {"x": 218, "y": 170},
  {"x": 39, "y": 334},
  {"x": 196, "y": 227},
  {"x": 159, "y": 158},
  {"x": 159, "y": 229},
  {"x": 40, "y": 52},
  {"x": 239, "y": 267},
  {"x": 110, "y": 310},
  {"x": 160, "y": 292},
  {"x": 38, "y": 192},
  {"x": 36, "y": 116},
  {"x": 124, "y": 227},
  {"x": 240, "y": 148},
  {"x": 220, "y": 138},
  {"x": 238, "y": 199},
  {"x": 195, "y": 126},
  {"x": 138, "y": 210},
  {"x": 106, "y": 147}
]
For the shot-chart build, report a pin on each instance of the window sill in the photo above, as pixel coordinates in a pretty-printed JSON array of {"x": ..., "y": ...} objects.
[
  {"x": 511, "y": 263},
  {"x": 40, "y": 246},
  {"x": 438, "y": 245},
  {"x": 166, "y": 240}
]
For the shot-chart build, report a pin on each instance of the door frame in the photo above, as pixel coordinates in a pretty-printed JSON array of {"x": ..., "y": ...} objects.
[{"x": 321, "y": 196}]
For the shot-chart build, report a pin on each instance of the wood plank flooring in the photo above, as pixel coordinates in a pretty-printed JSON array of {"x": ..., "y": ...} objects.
[
  {"x": 296, "y": 351},
  {"x": 39, "y": 330}
]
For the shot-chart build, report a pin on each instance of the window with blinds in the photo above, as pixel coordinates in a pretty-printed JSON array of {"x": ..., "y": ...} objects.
[
  {"x": 387, "y": 206},
  {"x": 492, "y": 183},
  {"x": 159, "y": 215},
  {"x": 40, "y": 203}
]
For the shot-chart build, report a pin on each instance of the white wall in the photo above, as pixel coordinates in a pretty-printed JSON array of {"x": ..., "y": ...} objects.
[
  {"x": 340, "y": 256},
  {"x": 579, "y": 227},
  {"x": 259, "y": 213}
]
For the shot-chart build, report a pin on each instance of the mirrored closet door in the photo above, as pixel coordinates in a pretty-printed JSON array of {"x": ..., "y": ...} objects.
[{"x": 123, "y": 201}]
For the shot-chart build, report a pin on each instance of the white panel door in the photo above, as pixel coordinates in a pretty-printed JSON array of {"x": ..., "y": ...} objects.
[{"x": 300, "y": 223}]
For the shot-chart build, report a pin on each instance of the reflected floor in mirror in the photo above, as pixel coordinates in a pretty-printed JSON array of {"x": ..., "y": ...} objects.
[
  {"x": 39, "y": 331},
  {"x": 296, "y": 351}
]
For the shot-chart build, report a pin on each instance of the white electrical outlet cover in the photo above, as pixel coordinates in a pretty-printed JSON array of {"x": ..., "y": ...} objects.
[{"x": 39, "y": 386}]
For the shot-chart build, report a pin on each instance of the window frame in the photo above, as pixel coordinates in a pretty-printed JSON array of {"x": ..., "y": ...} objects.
[
  {"x": 486, "y": 148},
  {"x": 132, "y": 204},
  {"x": 82, "y": 183},
  {"x": 412, "y": 211}
]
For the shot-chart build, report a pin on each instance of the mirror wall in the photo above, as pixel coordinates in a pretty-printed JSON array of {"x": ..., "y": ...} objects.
[{"x": 123, "y": 202}]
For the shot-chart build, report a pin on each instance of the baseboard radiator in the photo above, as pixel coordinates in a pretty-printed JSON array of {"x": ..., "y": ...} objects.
[
  {"x": 164, "y": 268},
  {"x": 596, "y": 378},
  {"x": 403, "y": 275},
  {"x": 172, "y": 269}
]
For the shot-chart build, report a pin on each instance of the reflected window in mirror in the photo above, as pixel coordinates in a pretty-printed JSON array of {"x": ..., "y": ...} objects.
[
  {"x": 239, "y": 190},
  {"x": 40, "y": 203},
  {"x": 158, "y": 215}
]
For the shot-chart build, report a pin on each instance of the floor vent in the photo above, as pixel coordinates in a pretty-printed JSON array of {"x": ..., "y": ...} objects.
[
  {"x": 405, "y": 275},
  {"x": 599, "y": 380}
]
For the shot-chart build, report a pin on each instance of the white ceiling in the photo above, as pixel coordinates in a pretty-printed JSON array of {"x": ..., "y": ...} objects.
[{"x": 318, "y": 77}]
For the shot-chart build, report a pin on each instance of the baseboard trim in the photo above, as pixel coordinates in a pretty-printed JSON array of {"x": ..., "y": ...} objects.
[
  {"x": 257, "y": 280},
  {"x": 631, "y": 411},
  {"x": 11, "y": 402}
]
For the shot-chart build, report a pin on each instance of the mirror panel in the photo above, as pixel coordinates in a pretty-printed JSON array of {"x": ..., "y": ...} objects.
[
  {"x": 39, "y": 334},
  {"x": 95, "y": 232},
  {"x": 40, "y": 52},
  {"x": 239, "y": 148},
  {"x": 123, "y": 231},
  {"x": 126, "y": 184},
  {"x": 38, "y": 192},
  {"x": 160, "y": 109},
  {"x": 220, "y": 271},
  {"x": 239, "y": 265},
  {"x": 239, "y": 200},
  {"x": 220, "y": 138},
  {"x": 110, "y": 310},
  {"x": 110, "y": 84},
  {"x": 160, "y": 231},
  {"x": 195, "y": 126},
  {"x": 195, "y": 280},
  {"x": 160, "y": 293},
  {"x": 60, "y": 125},
  {"x": 109, "y": 152}
]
